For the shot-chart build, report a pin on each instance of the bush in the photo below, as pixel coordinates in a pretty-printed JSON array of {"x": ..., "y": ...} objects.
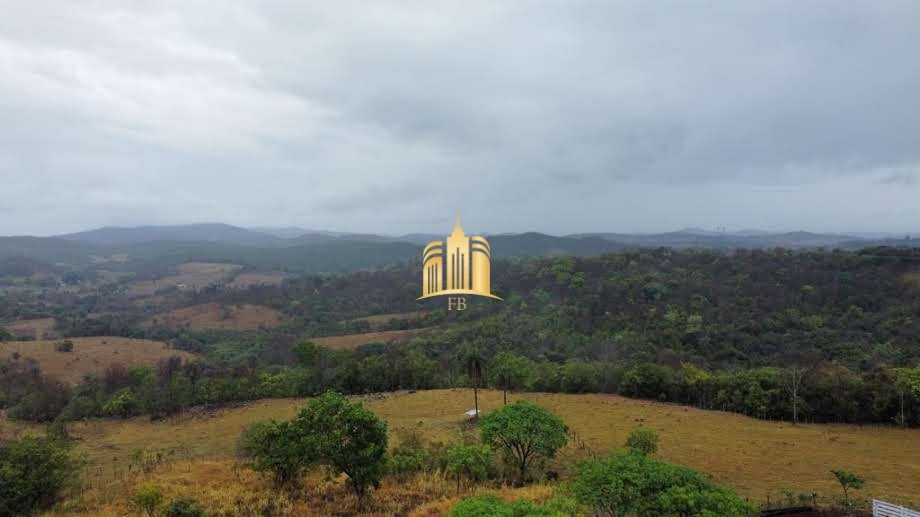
[
  {"x": 147, "y": 498},
  {"x": 469, "y": 461},
  {"x": 278, "y": 448},
  {"x": 630, "y": 483},
  {"x": 406, "y": 460},
  {"x": 33, "y": 472},
  {"x": 64, "y": 346},
  {"x": 643, "y": 441},
  {"x": 525, "y": 433},
  {"x": 184, "y": 507},
  {"x": 491, "y": 506}
]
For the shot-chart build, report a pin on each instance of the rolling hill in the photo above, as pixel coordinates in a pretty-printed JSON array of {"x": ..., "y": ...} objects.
[{"x": 157, "y": 247}]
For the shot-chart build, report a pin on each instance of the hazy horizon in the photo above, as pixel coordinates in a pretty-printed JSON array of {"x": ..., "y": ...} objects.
[
  {"x": 390, "y": 117},
  {"x": 485, "y": 231}
]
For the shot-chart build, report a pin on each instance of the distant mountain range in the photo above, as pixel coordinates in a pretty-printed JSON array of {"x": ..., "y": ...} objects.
[{"x": 304, "y": 250}]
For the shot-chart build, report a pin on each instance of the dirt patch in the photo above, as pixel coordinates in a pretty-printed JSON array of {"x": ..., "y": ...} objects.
[
  {"x": 89, "y": 355},
  {"x": 217, "y": 316}
]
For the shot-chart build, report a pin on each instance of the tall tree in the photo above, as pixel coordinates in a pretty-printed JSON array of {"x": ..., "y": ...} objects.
[
  {"x": 509, "y": 372},
  {"x": 347, "y": 437},
  {"x": 525, "y": 432},
  {"x": 474, "y": 363}
]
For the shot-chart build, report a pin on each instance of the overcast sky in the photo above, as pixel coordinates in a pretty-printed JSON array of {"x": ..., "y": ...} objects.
[{"x": 561, "y": 116}]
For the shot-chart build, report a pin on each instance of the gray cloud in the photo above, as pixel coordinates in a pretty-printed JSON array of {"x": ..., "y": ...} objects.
[{"x": 385, "y": 116}]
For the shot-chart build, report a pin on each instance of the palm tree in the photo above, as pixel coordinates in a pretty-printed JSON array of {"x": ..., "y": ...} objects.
[{"x": 474, "y": 363}]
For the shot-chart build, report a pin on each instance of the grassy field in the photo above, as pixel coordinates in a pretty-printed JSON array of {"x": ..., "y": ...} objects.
[
  {"x": 757, "y": 458},
  {"x": 216, "y": 316},
  {"x": 355, "y": 340},
  {"x": 89, "y": 355},
  {"x": 40, "y": 328},
  {"x": 191, "y": 275}
]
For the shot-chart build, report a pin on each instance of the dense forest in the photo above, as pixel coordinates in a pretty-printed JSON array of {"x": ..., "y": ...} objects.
[{"x": 805, "y": 335}]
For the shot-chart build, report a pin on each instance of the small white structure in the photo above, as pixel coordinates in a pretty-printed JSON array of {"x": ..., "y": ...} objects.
[
  {"x": 883, "y": 509},
  {"x": 471, "y": 414}
]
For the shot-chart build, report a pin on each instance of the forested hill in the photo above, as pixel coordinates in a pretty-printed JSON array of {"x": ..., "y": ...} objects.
[
  {"x": 717, "y": 329},
  {"x": 155, "y": 248}
]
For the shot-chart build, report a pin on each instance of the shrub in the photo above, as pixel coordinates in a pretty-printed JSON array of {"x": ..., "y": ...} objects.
[
  {"x": 33, "y": 472},
  {"x": 122, "y": 404},
  {"x": 644, "y": 441},
  {"x": 469, "y": 461},
  {"x": 491, "y": 506},
  {"x": 278, "y": 448},
  {"x": 184, "y": 507},
  {"x": 147, "y": 498},
  {"x": 525, "y": 433},
  {"x": 64, "y": 346},
  {"x": 406, "y": 460},
  {"x": 630, "y": 483}
]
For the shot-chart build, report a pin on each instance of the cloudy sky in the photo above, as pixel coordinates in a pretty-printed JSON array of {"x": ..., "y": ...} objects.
[{"x": 561, "y": 116}]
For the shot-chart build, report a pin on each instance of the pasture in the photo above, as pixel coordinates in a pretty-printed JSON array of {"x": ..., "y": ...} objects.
[
  {"x": 757, "y": 458},
  {"x": 218, "y": 316},
  {"x": 89, "y": 355},
  {"x": 191, "y": 275}
]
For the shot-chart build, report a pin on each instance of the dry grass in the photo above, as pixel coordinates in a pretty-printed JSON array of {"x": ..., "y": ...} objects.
[
  {"x": 349, "y": 341},
  {"x": 227, "y": 487},
  {"x": 246, "y": 280},
  {"x": 217, "y": 316},
  {"x": 89, "y": 355},
  {"x": 41, "y": 328},
  {"x": 754, "y": 457},
  {"x": 191, "y": 275}
]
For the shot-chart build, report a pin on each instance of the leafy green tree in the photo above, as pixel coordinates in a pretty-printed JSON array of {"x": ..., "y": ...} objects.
[
  {"x": 847, "y": 481},
  {"x": 122, "y": 404},
  {"x": 469, "y": 461},
  {"x": 278, "y": 448},
  {"x": 628, "y": 483},
  {"x": 33, "y": 472},
  {"x": 509, "y": 372},
  {"x": 907, "y": 383},
  {"x": 524, "y": 432},
  {"x": 347, "y": 437},
  {"x": 147, "y": 498},
  {"x": 308, "y": 353},
  {"x": 643, "y": 441}
]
